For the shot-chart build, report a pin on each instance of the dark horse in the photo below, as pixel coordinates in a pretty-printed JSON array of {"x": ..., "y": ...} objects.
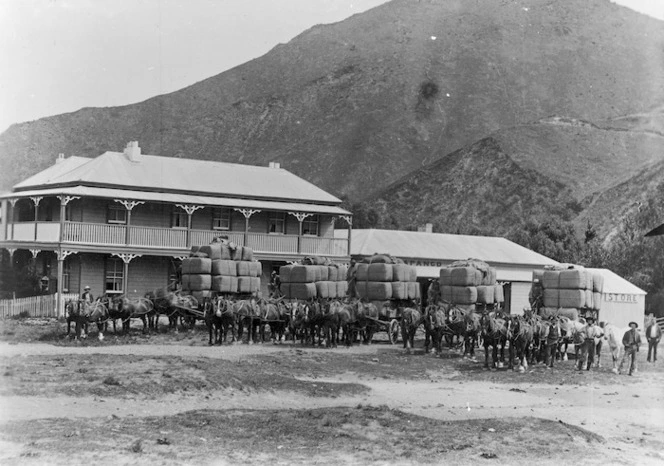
[
  {"x": 82, "y": 314},
  {"x": 411, "y": 319},
  {"x": 520, "y": 333},
  {"x": 127, "y": 309},
  {"x": 494, "y": 334}
]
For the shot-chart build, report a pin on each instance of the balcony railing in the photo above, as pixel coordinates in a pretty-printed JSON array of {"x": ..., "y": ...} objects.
[{"x": 102, "y": 234}]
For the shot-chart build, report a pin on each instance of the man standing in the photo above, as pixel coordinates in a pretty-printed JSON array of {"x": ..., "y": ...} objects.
[
  {"x": 593, "y": 334},
  {"x": 552, "y": 338},
  {"x": 653, "y": 335},
  {"x": 632, "y": 342}
]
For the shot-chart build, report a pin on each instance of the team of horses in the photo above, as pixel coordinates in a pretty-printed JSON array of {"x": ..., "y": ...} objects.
[{"x": 334, "y": 321}]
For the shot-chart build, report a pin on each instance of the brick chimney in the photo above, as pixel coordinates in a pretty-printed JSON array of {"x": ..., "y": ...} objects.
[
  {"x": 132, "y": 151},
  {"x": 427, "y": 228},
  {"x": 274, "y": 165},
  {"x": 60, "y": 159}
]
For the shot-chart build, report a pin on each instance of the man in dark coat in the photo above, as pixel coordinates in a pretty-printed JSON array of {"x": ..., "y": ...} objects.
[{"x": 631, "y": 341}]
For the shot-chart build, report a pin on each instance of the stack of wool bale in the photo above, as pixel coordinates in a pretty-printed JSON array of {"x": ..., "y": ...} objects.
[
  {"x": 470, "y": 282},
  {"x": 382, "y": 277},
  {"x": 221, "y": 268},
  {"x": 570, "y": 286},
  {"x": 305, "y": 281}
]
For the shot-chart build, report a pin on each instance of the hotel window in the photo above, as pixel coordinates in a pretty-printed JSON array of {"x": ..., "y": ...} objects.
[
  {"x": 179, "y": 218},
  {"x": 221, "y": 218},
  {"x": 310, "y": 225},
  {"x": 116, "y": 213},
  {"x": 277, "y": 222},
  {"x": 66, "y": 273},
  {"x": 114, "y": 275}
]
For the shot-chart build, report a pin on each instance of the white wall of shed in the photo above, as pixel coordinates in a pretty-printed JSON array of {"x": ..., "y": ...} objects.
[
  {"x": 519, "y": 298},
  {"x": 621, "y": 314}
]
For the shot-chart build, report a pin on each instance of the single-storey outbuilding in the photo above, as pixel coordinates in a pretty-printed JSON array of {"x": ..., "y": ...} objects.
[{"x": 622, "y": 301}]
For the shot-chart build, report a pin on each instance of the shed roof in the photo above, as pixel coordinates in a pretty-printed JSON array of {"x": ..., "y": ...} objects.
[
  {"x": 170, "y": 174},
  {"x": 444, "y": 247},
  {"x": 614, "y": 283}
]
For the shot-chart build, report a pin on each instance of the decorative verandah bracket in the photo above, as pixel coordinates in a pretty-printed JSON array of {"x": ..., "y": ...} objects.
[
  {"x": 63, "y": 254},
  {"x": 13, "y": 201},
  {"x": 189, "y": 208},
  {"x": 34, "y": 252},
  {"x": 300, "y": 216},
  {"x": 347, "y": 218},
  {"x": 64, "y": 199},
  {"x": 126, "y": 258},
  {"x": 247, "y": 212},
  {"x": 11, "y": 253},
  {"x": 180, "y": 258},
  {"x": 129, "y": 205},
  {"x": 36, "y": 199}
]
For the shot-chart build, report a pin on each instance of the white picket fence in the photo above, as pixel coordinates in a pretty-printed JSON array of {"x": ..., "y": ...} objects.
[{"x": 34, "y": 306}]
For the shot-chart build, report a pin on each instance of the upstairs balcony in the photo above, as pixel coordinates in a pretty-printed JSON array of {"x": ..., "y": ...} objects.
[{"x": 101, "y": 234}]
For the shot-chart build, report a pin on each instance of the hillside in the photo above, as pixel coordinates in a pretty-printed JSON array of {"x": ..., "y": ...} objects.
[{"x": 354, "y": 106}]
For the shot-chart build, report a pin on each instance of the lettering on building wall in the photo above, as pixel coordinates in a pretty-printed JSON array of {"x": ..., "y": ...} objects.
[
  {"x": 621, "y": 298},
  {"x": 424, "y": 263}
]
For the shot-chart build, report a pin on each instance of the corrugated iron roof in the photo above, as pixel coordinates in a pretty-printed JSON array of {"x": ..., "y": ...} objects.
[
  {"x": 178, "y": 198},
  {"x": 54, "y": 172},
  {"x": 169, "y": 174},
  {"x": 444, "y": 247},
  {"x": 614, "y": 283}
]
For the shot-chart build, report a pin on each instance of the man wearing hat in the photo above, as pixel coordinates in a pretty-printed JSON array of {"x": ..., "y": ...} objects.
[
  {"x": 552, "y": 339},
  {"x": 594, "y": 333},
  {"x": 632, "y": 342},
  {"x": 86, "y": 297}
]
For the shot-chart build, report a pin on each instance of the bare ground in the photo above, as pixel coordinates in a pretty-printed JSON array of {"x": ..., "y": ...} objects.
[{"x": 170, "y": 399}]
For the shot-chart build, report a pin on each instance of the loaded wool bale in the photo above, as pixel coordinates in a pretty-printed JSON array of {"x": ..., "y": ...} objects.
[
  {"x": 499, "y": 294},
  {"x": 464, "y": 294},
  {"x": 236, "y": 254},
  {"x": 255, "y": 269},
  {"x": 243, "y": 268},
  {"x": 598, "y": 282},
  {"x": 197, "y": 265},
  {"x": 379, "y": 273},
  {"x": 571, "y": 298},
  {"x": 485, "y": 294},
  {"x": 361, "y": 272},
  {"x": 224, "y": 284},
  {"x": 247, "y": 254},
  {"x": 212, "y": 250},
  {"x": 402, "y": 273},
  {"x": 248, "y": 284},
  {"x": 589, "y": 299},
  {"x": 285, "y": 273},
  {"x": 323, "y": 272},
  {"x": 446, "y": 293},
  {"x": 185, "y": 282},
  {"x": 538, "y": 274},
  {"x": 597, "y": 301},
  {"x": 445, "y": 276},
  {"x": 375, "y": 290},
  {"x": 466, "y": 276},
  {"x": 303, "y": 274},
  {"x": 199, "y": 281},
  {"x": 303, "y": 291},
  {"x": 413, "y": 290},
  {"x": 572, "y": 279},
  {"x": 399, "y": 290},
  {"x": 224, "y": 267},
  {"x": 323, "y": 289},
  {"x": 380, "y": 259},
  {"x": 342, "y": 289},
  {"x": 333, "y": 274},
  {"x": 551, "y": 297},
  {"x": 489, "y": 277},
  {"x": 551, "y": 279}
]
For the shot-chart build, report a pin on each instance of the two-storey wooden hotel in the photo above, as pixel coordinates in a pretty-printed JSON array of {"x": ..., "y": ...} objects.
[{"x": 121, "y": 222}]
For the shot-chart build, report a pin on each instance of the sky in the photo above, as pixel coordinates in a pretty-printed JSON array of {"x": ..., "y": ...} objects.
[{"x": 57, "y": 56}]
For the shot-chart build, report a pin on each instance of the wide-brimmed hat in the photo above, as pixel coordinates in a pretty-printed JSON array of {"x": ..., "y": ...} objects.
[
  {"x": 589, "y": 319},
  {"x": 87, "y": 287},
  {"x": 635, "y": 324}
]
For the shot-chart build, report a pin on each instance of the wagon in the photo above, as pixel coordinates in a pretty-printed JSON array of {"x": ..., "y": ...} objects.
[{"x": 389, "y": 320}]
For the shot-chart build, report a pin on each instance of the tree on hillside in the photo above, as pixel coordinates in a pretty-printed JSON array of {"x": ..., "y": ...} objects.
[{"x": 555, "y": 239}]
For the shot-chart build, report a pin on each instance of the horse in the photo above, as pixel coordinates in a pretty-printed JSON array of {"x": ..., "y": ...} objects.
[
  {"x": 520, "y": 333},
  {"x": 455, "y": 325},
  {"x": 332, "y": 322},
  {"x": 410, "y": 321},
  {"x": 367, "y": 317},
  {"x": 494, "y": 334},
  {"x": 248, "y": 315},
  {"x": 472, "y": 331},
  {"x": 572, "y": 331},
  {"x": 82, "y": 314},
  {"x": 613, "y": 336},
  {"x": 434, "y": 326},
  {"x": 136, "y": 308},
  {"x": 218, "y": 318},
  {"x": 540, "y": 332},
  {"x": 270, "y": 314}
]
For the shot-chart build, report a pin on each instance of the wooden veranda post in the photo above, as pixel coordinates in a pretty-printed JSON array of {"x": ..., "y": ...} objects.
[
  {"x": 300, "y": 216},
  {"x": 62, "y": 255},
  {"x": 247, "y": 214},
  {"x": 129, "y": 205},
  {"x": 126, "y": 259}
]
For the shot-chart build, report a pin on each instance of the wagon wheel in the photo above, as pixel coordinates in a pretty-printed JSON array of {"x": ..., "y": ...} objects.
[{"x": 393, "y": 331}]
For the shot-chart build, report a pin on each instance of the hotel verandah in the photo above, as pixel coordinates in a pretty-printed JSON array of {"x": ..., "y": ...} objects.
[{"x": 121, "y": 222}]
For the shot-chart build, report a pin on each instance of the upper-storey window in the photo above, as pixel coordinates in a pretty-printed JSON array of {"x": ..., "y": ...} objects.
[
  {"x": 310, "y": 225},
  {"x": 221, "y": 218},
  {"x": 116, "y": 213},
  {"x": 179, "y": 218},
  {"x": 277, "y": 222}
]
